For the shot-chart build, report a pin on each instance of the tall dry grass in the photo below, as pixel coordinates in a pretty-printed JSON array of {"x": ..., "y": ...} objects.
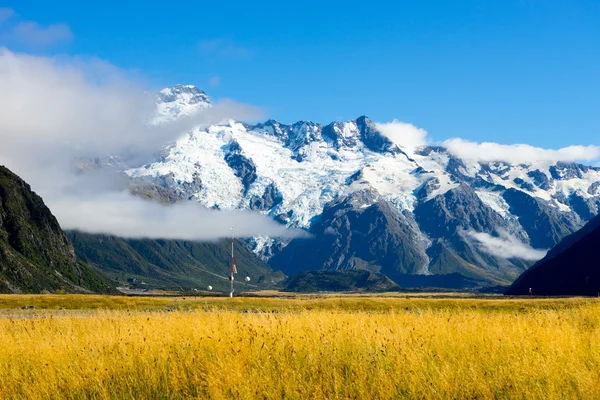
[{"x": 458, "y": 352}]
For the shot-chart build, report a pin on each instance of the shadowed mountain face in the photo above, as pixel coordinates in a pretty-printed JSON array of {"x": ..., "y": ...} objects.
[
  {"x": 545, "y": 225},
  {"x": 35, "y": 254},
  {"x": 571, "y": 268},
  {"x": 358, "y": 233},
  {"x": 355, "y": 234},
  {"x": 447, "y": 219}
]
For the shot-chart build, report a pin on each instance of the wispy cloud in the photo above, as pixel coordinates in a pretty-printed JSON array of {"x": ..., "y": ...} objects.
[
  {"x": 33, "y": 34},
  {"x": 407, "y": 135},
  {"x": 30, "y": 34},
  {"x": 129, "y": 216},
  {"x": 223, "y": 48},
  {"x": 505, "y": 245}
]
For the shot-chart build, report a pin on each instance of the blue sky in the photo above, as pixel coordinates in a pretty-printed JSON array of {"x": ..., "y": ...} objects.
[{"x": 505, "y": 71}]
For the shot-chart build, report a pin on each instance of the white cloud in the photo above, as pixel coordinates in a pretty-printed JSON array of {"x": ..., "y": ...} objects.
[
  {"x": 89, "y": 104},
  {"x": 29, "y": 33},
  {"x": 409, "y": 136},
  {"x": 55, "y": 109},
  {"x": 506, "y": 246},
  {"x": 518, "y": 153},
  {"x": 128, "y": 216},
  {"x": 403, "y": 134}
]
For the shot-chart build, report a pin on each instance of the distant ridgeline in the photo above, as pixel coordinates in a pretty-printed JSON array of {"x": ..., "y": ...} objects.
[{"x": 35, "y": 254}]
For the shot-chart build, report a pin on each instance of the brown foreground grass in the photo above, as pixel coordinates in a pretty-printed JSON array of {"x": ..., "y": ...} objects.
[{"x": 332, "y": 347}]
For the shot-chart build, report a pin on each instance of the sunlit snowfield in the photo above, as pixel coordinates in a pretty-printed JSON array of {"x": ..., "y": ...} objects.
[{"x": 298, "y": 347}]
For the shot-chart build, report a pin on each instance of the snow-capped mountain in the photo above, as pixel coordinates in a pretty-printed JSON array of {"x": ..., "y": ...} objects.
[
  {"x": 371, "y": 203},
  {"x": 178, "y": 101}
]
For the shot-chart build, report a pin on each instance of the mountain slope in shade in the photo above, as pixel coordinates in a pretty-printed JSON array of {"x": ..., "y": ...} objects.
[
  {"x": 35, "y": 254},
  {"x": 357, "y": 234},
  {"x": 173, "y": 264},
  {"x": 571, "y": 268}
]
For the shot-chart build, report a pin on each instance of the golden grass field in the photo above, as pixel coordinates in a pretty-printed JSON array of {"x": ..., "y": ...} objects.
[{"x": 298, "y": 347}]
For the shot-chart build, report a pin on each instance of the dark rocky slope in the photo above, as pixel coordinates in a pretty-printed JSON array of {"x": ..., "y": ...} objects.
[
  {"x": 35, "y": 254},
  {"x": 349, "y": 235}
]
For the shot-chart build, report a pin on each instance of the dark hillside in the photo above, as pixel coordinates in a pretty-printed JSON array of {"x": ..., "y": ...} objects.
[
  {"x": 572, "y": 268},
  {"x": 35, "y": 254}
]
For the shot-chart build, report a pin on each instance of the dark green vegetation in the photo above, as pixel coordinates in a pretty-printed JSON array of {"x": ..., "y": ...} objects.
[
  {"x": 571, "y": 268},
  {"x": 35, "y": 254},
  {"x": 339, "y": 281},
  {"x": 173, "y": 264}
]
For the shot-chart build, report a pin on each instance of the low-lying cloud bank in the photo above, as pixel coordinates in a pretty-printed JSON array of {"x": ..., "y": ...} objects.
[
  {"x": 519, "y": 153},
  {"x": 56, "y": 109},
  {"x": 409, "y": 137},
  {"x": 505, "y": 246},
  {"x": 136, "y": 218}
]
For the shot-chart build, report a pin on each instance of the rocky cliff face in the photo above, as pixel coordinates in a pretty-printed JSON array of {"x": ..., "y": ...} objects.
[
  {"x": 35, "y": 254},
  {"x": 356, "y": 233}
]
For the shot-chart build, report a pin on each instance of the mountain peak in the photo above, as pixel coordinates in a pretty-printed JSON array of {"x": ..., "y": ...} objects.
[
  {"x": 187, "y": 93},
  {"x": 180, "y": 100}
]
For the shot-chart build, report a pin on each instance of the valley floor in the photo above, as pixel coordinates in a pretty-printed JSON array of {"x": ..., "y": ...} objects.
[{"x": 330, "y": 346}]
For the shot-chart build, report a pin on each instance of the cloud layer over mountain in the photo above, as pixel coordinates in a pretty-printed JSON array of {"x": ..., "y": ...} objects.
[
  {"x": 56, "y": 109},
  {"x": 53, "y": 110},
  {"x": 518, "y": 153}
]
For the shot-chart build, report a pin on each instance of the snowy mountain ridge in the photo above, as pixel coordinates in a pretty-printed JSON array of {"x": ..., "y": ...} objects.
[
  {"x": 296, "y": 173},
  {"x": 178, "y": 101}
]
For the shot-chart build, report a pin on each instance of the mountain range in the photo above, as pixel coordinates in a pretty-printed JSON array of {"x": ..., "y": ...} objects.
[
  {"x": 382, "y": 212},
  {"x": 373, "y": 200}
]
